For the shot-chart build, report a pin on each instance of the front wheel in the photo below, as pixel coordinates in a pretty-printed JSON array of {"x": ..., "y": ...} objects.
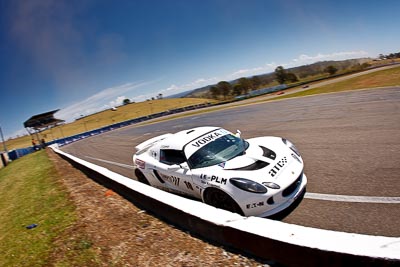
[{"x": 219, "y": 199}]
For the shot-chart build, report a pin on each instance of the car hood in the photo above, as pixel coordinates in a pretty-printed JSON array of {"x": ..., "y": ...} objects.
[{"x": 266, "y": 159}]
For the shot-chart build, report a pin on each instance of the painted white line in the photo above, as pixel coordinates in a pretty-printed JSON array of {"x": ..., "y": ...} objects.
[
  {"x": 137, "y": 137},
  {"x": 113, "y": 163},
  {"x": 359, "y": 199}
]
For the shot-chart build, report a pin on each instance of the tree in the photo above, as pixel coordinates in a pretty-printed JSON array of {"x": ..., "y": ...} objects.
[
  {"x": 331, "y": 69},
  {"x": 214, "y": 92},
  {"x": 246, "y": 84},
  {"x": 280, "y": 74},
  {"x": 224, "y": 88},
  {"x": 291, "y": 77},
  {"x": 256, "y": 81},
  {"x": 237, "y": 89},
  {"x": 126, "y": 101},
  {"x": 160, "y": 96}
]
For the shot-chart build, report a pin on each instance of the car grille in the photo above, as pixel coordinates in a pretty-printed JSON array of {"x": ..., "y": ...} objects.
[{"x": 291, "y": 188}]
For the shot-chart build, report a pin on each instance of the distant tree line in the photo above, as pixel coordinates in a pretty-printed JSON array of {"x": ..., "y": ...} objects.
[
  {"x": 242, "y": 86},
  {"x": 390, "y": 56}
]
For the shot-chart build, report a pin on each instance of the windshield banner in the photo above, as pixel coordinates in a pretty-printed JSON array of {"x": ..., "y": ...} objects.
[{"x": 204, "y": 140}]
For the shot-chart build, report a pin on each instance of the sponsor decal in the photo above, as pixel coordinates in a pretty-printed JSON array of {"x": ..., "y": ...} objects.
[
  {"x": 171, "y": 179},
  {"x": 140, "y": 163},
  {"x": 222, "y": 164},
  {"x": 278, "y": 166},
  {"x": 255, "y": 205},
  {"x": 212, "y": 178},
  {"x": 206, "y": 139},
  {"x": 188, "y": 185}
]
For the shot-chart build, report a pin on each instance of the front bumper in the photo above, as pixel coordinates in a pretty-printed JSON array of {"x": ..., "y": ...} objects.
[{"x": 280, "y": 205}]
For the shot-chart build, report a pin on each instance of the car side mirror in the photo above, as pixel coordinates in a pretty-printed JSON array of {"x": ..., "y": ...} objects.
[
  {"x": 238, "y": 133},
  {"x": 176, "y": 167}
]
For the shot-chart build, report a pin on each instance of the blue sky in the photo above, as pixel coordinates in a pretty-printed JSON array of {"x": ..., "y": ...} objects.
[{"x": 83, "y": 56}]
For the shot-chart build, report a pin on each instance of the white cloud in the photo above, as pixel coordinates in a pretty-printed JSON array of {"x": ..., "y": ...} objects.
[
  {"x": 306, "y": 59},
  {"x": 104, "y": 99},
  {"x": 175, "y": 89},
  {"x": 268, "y": 67},
  {"x": 117, "y": 102}
]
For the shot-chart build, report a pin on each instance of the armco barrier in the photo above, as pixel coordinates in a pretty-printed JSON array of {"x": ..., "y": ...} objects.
[{"x": 274, "y": 241}]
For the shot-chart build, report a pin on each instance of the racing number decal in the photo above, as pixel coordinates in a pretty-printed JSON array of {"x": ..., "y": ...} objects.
[
  {"x": 168, "y": 178},
  {"x": 188, "y": 185}
]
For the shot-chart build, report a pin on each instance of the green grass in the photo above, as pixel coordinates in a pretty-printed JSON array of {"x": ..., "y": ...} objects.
[
  {"x": 30, "y": 193},
  {"x": 383, "y": 78}
]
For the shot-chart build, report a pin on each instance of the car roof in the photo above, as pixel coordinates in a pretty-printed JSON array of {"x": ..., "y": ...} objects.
[{"x": 178, "y": 140}]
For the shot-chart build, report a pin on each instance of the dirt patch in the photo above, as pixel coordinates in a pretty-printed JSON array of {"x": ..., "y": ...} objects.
[{"x": 120, "y": 234}]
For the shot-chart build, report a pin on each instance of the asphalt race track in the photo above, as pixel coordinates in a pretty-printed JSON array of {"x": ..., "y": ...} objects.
[{"x": 350, "y": 143}]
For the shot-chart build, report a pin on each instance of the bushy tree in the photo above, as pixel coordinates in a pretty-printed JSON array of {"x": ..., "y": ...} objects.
[
  {"x": 280, "y": 74},
  {"x": 246, "y": 84},
  {"x": 224, "y": 88},
  {"x": 214, "y": 92},
  {"x": 291, "y": 77},
  {"x": 331, "y": 69},
  {"x": 237, "y": 89},
  {"x": 256, "y": 81}
]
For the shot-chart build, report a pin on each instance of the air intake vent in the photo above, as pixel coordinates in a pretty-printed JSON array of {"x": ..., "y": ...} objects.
[
  {"x": 255, "y": 166},
  {"x": 268, "y": 153}
]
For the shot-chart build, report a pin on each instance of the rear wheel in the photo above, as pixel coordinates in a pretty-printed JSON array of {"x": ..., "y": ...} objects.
[
  {"x": 221, "y": 200},
  {"x": 141, "y": 178}
]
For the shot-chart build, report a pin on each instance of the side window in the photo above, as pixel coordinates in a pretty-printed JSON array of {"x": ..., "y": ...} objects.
[{"x": 171, "y": 157}]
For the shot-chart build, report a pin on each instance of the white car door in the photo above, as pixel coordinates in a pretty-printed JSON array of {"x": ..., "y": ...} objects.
[{"x": 174, "y": 173}]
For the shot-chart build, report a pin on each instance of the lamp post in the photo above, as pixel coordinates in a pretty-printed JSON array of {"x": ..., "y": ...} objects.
[{"x": 2, "y": 139}]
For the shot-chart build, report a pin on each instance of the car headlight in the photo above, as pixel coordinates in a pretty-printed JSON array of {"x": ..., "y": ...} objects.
[
  {"x": 248, "y": 185},
  {"x": 291, "y": 146}
]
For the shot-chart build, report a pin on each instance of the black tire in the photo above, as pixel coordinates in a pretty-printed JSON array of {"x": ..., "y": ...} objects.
[
  {"x": 141, "y": 178},
  {"x": 219, "y": 199}
]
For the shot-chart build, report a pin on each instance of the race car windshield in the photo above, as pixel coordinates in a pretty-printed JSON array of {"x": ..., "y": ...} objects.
[{"x": 218, "y": 151}]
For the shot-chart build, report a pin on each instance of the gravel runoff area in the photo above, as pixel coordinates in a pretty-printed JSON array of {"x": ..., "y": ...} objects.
[{"x": 121, "y": 234}]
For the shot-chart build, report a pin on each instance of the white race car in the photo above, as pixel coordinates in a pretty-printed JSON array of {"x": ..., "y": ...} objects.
[{"x": 255, "y": 177}]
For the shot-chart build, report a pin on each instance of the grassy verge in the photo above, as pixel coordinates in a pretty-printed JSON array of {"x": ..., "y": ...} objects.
[
  {"x": 389, "y": 77},
  {"x": 31, "y": 194}
]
